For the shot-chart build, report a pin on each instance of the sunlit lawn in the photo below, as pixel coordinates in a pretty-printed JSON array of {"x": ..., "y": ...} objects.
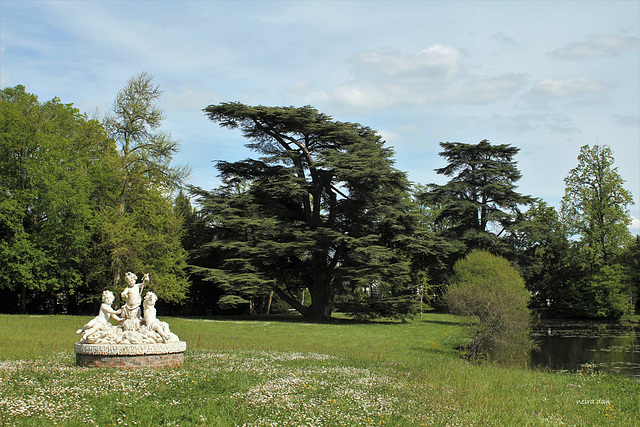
[{"x": 284, "y": 371}]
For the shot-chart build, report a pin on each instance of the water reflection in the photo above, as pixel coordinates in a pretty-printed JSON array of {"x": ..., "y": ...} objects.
[{"x": 575, "y": 345}]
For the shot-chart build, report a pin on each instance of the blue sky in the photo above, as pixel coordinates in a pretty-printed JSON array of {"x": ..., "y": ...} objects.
[{"x": 544, "y": 76}]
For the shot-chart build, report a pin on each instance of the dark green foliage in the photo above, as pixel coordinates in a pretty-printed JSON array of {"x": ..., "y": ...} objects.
[
  {"x": 541, "y": 248},
  {"x": 479, "y": 202},
  {"x": 431, "y": 253},
  {"x": 579, "y": 265},
  {"x": 323, "y": 209},
  {"x": 631, "y": 260},
  {"x": 477, "y": 209},
  {"x": 609, "y": 290},
  {"x": 491, "y": 293},
  {"x": 599, "y": 293}
]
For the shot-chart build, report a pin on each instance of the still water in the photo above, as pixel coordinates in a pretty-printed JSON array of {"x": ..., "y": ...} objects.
[{"x": 574, "y": 345}]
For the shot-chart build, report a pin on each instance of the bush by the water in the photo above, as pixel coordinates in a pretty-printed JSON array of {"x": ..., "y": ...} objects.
[{"x": 488, "y": 291}]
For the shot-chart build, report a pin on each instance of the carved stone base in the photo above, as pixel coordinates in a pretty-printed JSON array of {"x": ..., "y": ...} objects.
[{"x": 161, "y": 355}]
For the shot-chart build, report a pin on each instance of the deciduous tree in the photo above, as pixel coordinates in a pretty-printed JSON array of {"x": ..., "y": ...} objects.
[
  {"x": 595, "y": 205},
  {"x": 595, "y": 210},
  {"x": 50, "y": 172},
  {"x": 142, "y": 231}
]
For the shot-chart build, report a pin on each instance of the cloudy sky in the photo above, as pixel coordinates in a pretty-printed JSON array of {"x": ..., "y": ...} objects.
[{"x": 545, "y": 76}]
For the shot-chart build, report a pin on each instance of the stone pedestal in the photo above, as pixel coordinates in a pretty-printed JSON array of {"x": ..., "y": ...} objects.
[{"x": 158, "y": 355}]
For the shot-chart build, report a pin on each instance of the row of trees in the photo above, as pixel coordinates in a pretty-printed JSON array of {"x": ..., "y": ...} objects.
[
  {"x": 324, "y": 211},
  {"x": 83, "y": 201},
  {"x": 320, "y": 221},
  {"x": 578, "y": 262}
]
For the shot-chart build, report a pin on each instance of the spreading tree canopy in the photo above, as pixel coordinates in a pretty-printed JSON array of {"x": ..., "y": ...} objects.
[{"x": 323, "y": 209}]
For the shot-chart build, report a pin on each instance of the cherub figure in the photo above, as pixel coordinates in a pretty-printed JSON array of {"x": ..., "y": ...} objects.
[
  {"x": 150, "y": 319},
  {"x": 102, "y": 319},
  {"x": 132, "y": 295}
]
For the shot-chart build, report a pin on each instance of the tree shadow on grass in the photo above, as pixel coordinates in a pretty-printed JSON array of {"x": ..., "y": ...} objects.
[
  {"x": 444, "y": 322},
  {"x": 291, "y": 318},
  {"x": 437, "y": 351}
]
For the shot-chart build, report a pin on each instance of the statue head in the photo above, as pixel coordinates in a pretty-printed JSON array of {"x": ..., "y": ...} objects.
[
  {"x": 130, "y": 278},
  {"x": 107, "y": 297},
  {"x": 150, "y": 299}
]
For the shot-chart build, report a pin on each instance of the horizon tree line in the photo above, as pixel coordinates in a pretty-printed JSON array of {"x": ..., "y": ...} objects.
[{"x": 319, "y": 221}]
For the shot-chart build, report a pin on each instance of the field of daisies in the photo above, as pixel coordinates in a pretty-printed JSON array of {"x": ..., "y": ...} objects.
[{"x": 286, "y": 372}]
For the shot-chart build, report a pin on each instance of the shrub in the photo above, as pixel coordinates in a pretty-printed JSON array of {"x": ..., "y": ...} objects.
[{"x": 491, "y": 294}]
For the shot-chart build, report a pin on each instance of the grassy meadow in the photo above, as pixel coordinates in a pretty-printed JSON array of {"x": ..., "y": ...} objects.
[{"x": 283, "y": 371}]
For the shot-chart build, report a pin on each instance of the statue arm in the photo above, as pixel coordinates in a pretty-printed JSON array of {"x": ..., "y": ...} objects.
[{"x": 111, "y": 311}]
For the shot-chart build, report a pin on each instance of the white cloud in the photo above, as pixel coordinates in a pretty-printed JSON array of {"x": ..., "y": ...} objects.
[
  {"x": 635, "y": 226},
  {"x": 474, "y": 91},
  {"x": 601, "y": 46},
  {"x": 483, "y": 90},
  {"x": 503, "y": 38},
  {"x": 437, "y": 62},
  {"x": 509, "y": 126},
  {"x": 189, "y": 98},
  {"x": 568, "y": 87},
  {"x": 555, "y": 123},
  {"x": 365, "y": 97},
  {"x": 573, "y": 92},
  {"x": 626, "y": 120},
  {"x": 390, "y": 136},
  {"x": 303, "y": 93},
  {"x": 388, "y": 78}
]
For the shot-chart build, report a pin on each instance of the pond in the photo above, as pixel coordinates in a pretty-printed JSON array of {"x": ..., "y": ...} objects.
[{"x": 575, "y": 345}]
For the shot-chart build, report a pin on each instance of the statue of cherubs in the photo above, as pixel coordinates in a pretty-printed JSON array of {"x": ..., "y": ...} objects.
[
  {"x": 150, "y": 319},
  {"x": 102, "y": 319},
  {"x": 132, "y": 295}
]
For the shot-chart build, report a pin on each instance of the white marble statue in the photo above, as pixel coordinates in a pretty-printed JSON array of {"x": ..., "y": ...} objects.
[
  {"x": 151, "y": 321},
  {"x": 132, "y": 294},
  {"x": 132, "y": 329},
  {"x": 101, "y": 321}
]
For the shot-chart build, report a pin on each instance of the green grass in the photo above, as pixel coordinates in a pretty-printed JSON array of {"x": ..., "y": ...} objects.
[{"x": 284, "y": 371}]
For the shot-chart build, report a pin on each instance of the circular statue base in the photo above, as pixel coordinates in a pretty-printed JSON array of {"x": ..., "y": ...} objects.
[{"x": 158, "y": 355}]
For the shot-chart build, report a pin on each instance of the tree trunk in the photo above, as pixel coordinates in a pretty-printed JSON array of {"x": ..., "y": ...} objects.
[
  {"x": 23, "y": 299},
  {"x": 268, "y": 309},
  {"x": 321, "y": 299},
  {"x": 319, "y": 311},
  {"x": 72, "y": 303}
]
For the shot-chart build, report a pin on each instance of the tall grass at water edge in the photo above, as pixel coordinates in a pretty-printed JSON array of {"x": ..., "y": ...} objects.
[{"x": 284, "y": 371}]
